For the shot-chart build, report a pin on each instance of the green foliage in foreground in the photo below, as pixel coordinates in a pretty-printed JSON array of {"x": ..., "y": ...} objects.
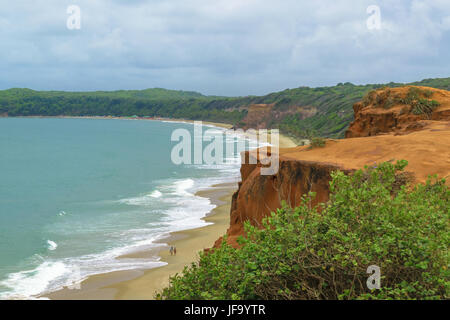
[{"x": 371, "y": 219}]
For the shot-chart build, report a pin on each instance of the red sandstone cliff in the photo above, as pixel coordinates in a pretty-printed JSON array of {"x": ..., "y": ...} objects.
[
  {"x": 393, "y": 111},
  {"x": 379, "y": 133},
  {"x": 260, "y": 116}
]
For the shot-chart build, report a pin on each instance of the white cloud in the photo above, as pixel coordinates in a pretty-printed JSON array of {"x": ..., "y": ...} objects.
[{"x": 231, "y": 47}]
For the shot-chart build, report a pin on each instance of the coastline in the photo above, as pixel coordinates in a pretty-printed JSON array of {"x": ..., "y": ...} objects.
[
  {"x": 285, "y": 141},
  {"x": 144, "y": 283},
  {"x": 216, "y": 124}
]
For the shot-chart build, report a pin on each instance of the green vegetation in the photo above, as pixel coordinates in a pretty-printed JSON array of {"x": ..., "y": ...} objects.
[
  {"x": 420, "y": 105},
  {"x": 416, "y": 98},
  {"x": 427, "y": 93},
  {"x": 145, "y": 103},
  {"x": 424, "y": 106},
  {"x": 372, "y": 218},
  {"x": 317, "y": 142},
  {"x": 412, "y": 95},
  {"x": 333, "y": 105}
]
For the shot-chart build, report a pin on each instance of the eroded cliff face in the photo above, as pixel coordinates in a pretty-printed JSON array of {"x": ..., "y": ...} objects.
[
  {"x": 398, "y": 111},
  {"x": 258, "y": 116},
  {"x": 259, "y": 195},
  {"x": 382, "y": 134},
  {"x": 261, "y": 116}
]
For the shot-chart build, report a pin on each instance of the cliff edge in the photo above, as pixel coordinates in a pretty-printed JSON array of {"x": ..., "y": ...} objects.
[{"x": 411, "y": 123}]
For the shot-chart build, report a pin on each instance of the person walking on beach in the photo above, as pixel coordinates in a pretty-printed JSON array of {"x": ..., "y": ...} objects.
[
  {"x": 171, "y": 250},
  {"x": 175, "y": 250}
]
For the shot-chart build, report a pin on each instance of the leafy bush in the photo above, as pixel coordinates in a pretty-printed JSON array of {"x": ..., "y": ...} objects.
[
  {"x": 428, "y": 93},
  {"x": 420, "y": 105},
  {"x": 424, "y": 106},
  {"x": 324, "y": 252},
  {"x": 412, "y": 95},
  {"x": 317, "y": 142},
  {"x": 389, "y": 103},
  {"x": 413, "y": 98}
]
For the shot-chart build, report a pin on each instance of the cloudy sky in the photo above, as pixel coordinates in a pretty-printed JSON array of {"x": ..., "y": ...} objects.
[{"x": 220, "y": 47}]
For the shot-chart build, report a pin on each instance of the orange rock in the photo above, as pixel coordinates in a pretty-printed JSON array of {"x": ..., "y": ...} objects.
[
  {"x": 373, "y": 116},
  {"x": 377, "y": 135},
  {"x": 258, "y": 116}
]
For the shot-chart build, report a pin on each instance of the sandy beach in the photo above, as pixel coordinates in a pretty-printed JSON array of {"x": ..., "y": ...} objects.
[{"x": 143, "y": 284}]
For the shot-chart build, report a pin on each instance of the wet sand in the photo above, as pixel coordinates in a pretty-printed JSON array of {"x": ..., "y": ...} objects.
[{"x": 143, "y": 284}]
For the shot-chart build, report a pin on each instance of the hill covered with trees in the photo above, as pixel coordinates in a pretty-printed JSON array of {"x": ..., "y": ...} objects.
[{"x": 302, "y": 112}]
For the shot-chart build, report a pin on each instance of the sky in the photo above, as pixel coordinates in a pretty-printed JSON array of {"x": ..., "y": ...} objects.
[{"x": 220, "y": 47}]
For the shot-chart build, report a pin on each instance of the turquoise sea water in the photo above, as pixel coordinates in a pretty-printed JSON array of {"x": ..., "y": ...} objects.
[{"x": 77, "y": 193}]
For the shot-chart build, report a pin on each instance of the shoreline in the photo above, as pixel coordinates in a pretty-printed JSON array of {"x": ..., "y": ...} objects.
[
  {"x": 143, "y": 284},
  {"x": 216, "y": 124},
  {"x": 285, "y": 141}
]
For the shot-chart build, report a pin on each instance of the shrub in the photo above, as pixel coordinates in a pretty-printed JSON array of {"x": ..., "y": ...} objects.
[
  {"x": 324, "y": 252},
  {"x": 389, "y": 103},
  {"x": 428, "y": 93},
  {"x": 317, "y": 142},
  {"x": 424, "y": 106},
  {"x": 369, "y": 97},
  {"x": 420, "y": 106},
  {"x": 412, "y": 95}
]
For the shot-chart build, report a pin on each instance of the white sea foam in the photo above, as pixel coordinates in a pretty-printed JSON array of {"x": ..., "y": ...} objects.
[
  {"x": 25, "y": 284},
  {"x": 51, "y": 245},
  {"x": 184, "y": 211},
  {"x": 176, "y": 121},
  {"x": 182, "y": 186},
  {"x": 156, "y": 194},
  {"x": 52, "y": 275},
  {"x": 144, "y": 200}
]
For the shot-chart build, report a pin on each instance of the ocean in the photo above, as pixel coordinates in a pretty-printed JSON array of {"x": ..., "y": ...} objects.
[{"x": 75, "y": 194}]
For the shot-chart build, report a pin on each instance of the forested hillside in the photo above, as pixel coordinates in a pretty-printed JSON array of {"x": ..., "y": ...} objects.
[{"x": 300, "y": 112}]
